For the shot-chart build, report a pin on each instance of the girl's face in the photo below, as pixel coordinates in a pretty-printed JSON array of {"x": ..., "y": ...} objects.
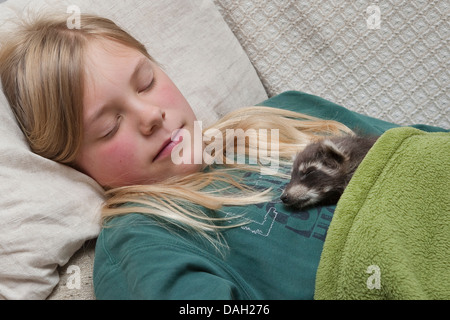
[{"x": 131, "y": 110}]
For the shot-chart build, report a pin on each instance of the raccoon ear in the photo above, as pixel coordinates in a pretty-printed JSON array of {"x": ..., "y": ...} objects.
[{"x": 332, "y": 150}]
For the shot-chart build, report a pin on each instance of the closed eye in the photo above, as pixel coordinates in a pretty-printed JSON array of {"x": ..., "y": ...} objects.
[
  {"x": 308, "y": 171},
  {"x": 114, "y": 130},
  {"x": 148, "y": 87}
]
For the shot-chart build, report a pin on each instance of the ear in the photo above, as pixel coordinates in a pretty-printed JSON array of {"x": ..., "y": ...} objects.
[{"x": 333, "y": 151}]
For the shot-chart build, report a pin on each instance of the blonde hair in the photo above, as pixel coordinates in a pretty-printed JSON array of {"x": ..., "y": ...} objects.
[{"x": 41, "y": 69}]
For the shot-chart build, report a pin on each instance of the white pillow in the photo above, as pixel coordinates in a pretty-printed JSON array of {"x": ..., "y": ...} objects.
[{"x": 49, "y": 210}]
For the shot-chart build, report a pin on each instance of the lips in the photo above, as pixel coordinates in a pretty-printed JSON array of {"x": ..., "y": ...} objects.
[{"x": 169, "y": 144}]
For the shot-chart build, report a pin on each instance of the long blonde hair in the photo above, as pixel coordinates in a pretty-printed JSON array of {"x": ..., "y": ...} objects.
[{"x": 42, "y": 73}]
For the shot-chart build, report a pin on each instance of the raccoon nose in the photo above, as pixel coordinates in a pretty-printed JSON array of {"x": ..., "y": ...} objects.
[{"x": 284, "y": 197}]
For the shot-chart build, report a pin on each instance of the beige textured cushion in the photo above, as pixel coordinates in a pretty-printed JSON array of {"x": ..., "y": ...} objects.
[
  {"x": 388, "y": 59},
  {"x": 48, "y": 210}
]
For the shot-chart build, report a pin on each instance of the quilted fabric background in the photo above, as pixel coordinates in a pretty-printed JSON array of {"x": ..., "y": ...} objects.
[{"x": 388, "y": 59}]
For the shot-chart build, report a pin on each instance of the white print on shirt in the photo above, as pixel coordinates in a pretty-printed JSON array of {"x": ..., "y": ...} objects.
[{"x": 262, "y": 228}]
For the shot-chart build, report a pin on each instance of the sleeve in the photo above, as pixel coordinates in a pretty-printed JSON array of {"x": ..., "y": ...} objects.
[
  {"x": 321, "y": 108},
  {"x": 135, "y": 263},
  {"x": 318, "y": 107}
]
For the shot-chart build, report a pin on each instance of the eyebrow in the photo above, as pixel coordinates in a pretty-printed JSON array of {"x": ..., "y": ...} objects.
[{"x": 102, "y": 110}]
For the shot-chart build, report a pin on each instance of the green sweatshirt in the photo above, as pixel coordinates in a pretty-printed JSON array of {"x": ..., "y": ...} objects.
[{"x": 275, "y": 255}]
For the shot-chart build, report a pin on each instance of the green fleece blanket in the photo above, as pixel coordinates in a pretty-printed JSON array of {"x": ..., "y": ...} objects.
[{"x": 390, "y": 234}]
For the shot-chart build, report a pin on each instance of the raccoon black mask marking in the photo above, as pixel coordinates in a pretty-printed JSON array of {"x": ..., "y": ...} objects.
[{"x": 321, "y": 172}]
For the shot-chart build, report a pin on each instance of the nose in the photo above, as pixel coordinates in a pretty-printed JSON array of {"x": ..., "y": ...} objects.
[
  {"x": 151, "y": 118},
  {"x": 284, "y": 197}
]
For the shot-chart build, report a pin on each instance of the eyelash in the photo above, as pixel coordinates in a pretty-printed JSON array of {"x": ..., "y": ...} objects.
[{"x": 149, "y": 86}]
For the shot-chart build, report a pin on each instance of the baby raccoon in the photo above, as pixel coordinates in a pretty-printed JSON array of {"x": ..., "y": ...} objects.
[{"x": 323, "y": 169}]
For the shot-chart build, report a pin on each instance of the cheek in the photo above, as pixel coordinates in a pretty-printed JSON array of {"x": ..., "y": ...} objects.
[
  {"x": 117, "y": 155},
  {"x": 170, "y": 96},
  {"x": 113, "y": 163}
]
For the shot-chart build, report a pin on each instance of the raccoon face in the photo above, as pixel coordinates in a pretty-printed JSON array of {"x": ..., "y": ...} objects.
[{"x": 318, "y": 176}]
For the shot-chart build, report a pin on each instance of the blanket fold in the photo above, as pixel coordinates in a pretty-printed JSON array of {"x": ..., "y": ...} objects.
[{"x": 390, "y": 234}]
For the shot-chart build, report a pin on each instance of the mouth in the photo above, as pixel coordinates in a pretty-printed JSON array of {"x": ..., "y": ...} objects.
[{"x": 169, "y": 144}]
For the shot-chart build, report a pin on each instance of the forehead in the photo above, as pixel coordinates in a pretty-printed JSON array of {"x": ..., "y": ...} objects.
[
  {"x": 109, "y": 68},
  {"x": 106, "y": 56},
  {"x": 111, "y": 47},
  {"x": 309, "y": 154}
]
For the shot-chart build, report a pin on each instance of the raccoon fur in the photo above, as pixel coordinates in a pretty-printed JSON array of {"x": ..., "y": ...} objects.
[{"x": 321, "y": 172}]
